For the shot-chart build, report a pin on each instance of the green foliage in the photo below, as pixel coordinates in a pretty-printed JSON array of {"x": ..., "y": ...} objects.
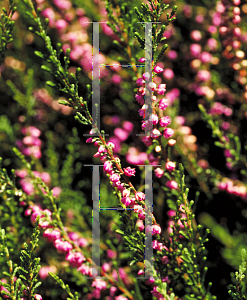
[
  {"x": 16, "y": 229},
  {"x": 65, "y": 82},
  {"x": 6, "y": 25},
  {"x": 65, "y": 287},
  {"x": 6, "y": 130},
  {"x": 146, "y": 15},
  {"x": 185, "y": 247},
  {"x": 23, "y": 278},
  {"x": 237, "y": 291},
  {"x": 232, "y": 143},
  {"x": 26, "y": 100},
  {"x": 29, "y": 264}
]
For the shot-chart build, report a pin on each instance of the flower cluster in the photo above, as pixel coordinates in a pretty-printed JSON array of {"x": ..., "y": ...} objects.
[{"x": 30, "y": 145}]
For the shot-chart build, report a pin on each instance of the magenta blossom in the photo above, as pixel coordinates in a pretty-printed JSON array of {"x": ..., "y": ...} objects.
[
  {"x": 129, "y": 171},
  {"x": 168, "y": 132}
]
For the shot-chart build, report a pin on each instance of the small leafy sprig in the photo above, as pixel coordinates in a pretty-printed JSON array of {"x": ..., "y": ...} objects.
[
  {"x": 23, "y": 279},
  {"x": 65, "y": 287},
  {"x": 6, "y": 25},
  {"x": 231, "y": 142},
  {"x": 153, "y": 15},
  {"x": 236, "y": 290},
  {"x": 65, "y": 81},
  {"x": 186, "y": 251},
  {"x": 29, "y": 269}
]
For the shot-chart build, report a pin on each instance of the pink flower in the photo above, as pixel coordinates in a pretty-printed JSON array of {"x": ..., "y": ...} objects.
[
  {"x": 140, "y": 196},
  {"x": 111, "y": 253},
  {"x": 140, "y": 82},
  {"x": 216, "y": 18},
  {"x": 51, "y": 235},
  {"x": 115, "y": 177},
  {"x": 102, "y": 149},
  {"x": 75, "y": 258},
  {"x": 146, "y": 76},
  {"x": 168, "y": 132},
  {"x": 156, "y": 229},
  {"x": 73, "y": 236},
  {"x": 129, "y": 171},
  {"x": 90, "y": 140},
  {"x": 84, "y": 21},
  {"x": 121, "y": 298},
  {"x": 227, "y": 111},
  {"x": 172, "y": 184},
  {"x": 82, "y": 242},
  {"x": 46, "y": 177},
  {"x": 180, "y": 120},
  {"x": 212, "y": 44},
  {"x": 28, "y": 140},
  {"x": 56, "y": 191},
  {"x": 196, "y": 35},
  {"x": 172, "y": 54},
  {"x": 62, "y": 4},
  {"x": 93, "y": 131},
  {"x": 49, "y": 14},
  {"x": 44, "y": 271},
  {"x": 212, "y": 29},
  {"x": 205, "y": 57},
  {"x": 237, "y": 31},
  {"x": 142, "y": 60},
  {"x": 147, "y": 125},
  {"x": 21, "y": 173},
  {"x": 203, "y": 75},
  {"x": 158, "y": 69},
  {"x": 126, "y": 193},
  {"x": 135, "y": 157},
  {"x": 62, "y": 246},
  {"x": 171, "y": 142},
  {"x": 61, "y": 24},
  {"x": 161, "y": 89},
  {"x": 165, "y": 121},
  {"x": 38, "y": 297},
  {"x": 106, "y": 267},
  {"x": 170, "y": 166},
  {"x": 147, "y": 140},
  {"x": 99, "y": 284},
  {"x": 154, "y": 119},
  {"x": 126, "y": 201},
  {"x": 111, "y": 145},
  {"x": 195, "y": 49},
  {"x": 152, "y": 86},
  {"x": 236, "y": 2},
  {"x": 121, "y": 134},
  {"x": 168, "y": 74},
  {"x": 139, "y": 99},
  {"x": 158, "y": 172},
  {"x": 236, "y": 11},
  {"x": 113, "y": 290},
  {"x": 107, "y": 167},
  {"x": 155, "y": 133},
  {"x": 27, "y": 187},
  {"x": 116, "y": 79},
  {"x": 84, "y": 269},
  {"x": 140, "y": 225},
  {"x": 165, "y": 260},
  {"x": 128, "y": 126},
  {"x": 236, "y": 19},
  {"x": 163, "y": 104},
  {"x": 116, "y": 143},
  {"x": 142, "y": 111}
]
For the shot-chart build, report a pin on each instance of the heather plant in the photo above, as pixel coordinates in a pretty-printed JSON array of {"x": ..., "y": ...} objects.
[{"x": 158, "y": 90}]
